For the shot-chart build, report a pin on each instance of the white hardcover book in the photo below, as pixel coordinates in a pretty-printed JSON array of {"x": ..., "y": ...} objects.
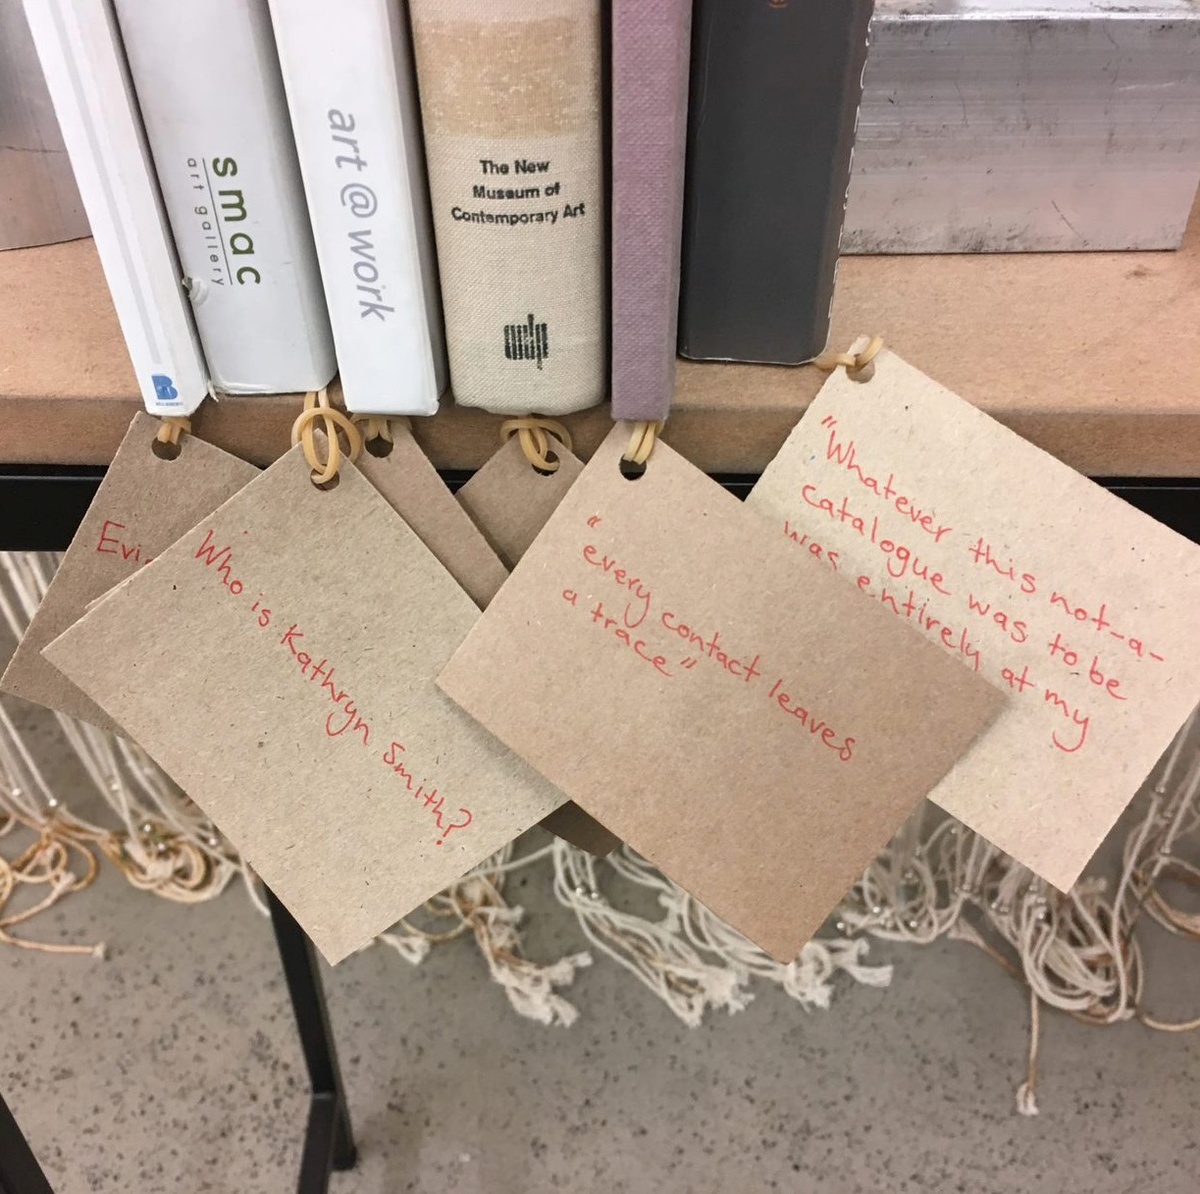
[
  {"x": 211, "y": 96},
  {"x": 80, "y": 52},
  {"x": 350, "y": 87}
]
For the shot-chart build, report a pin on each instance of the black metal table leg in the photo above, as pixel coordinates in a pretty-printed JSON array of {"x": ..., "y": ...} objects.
[
  {"x": 20, "y": 1172},
  {"x": 328, "y": 1140}
]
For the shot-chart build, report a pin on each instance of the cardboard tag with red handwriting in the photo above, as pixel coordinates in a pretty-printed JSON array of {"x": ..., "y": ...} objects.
[
  {"x": 144, "y": 504},
  {"x": 1031, "y": 576},
  {"x": 510, "y": 501},
  {"x": 754, "y": 727},
  {"x": 279, "y": 662}
]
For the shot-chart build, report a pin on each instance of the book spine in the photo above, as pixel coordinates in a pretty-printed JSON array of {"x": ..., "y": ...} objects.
[
  {"x": 511, "y": 107},
  {"x": 227, "y": 166},
  {"x": 774, "y": 105},
  {"x": 81, "y": 56},
  {"x": 351, "y": 91},
  {"x": 650, "y": 58}
]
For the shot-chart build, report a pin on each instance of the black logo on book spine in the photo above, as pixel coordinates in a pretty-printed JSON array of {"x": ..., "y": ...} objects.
[{"x": 528, "y": 341}]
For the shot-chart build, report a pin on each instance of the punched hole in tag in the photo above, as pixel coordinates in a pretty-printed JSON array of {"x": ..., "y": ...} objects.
[
  {"x": 377, "y": 435},
  {"x": 165, "y": 444},
  {"x": 165, "y": 451},
  {"x": 641, "y": 443}
]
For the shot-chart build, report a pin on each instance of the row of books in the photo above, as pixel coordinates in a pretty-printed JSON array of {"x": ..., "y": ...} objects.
[{"x": 457, "y": 192}]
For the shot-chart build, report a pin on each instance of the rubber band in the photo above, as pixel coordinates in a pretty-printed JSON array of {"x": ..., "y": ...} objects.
[
  {"x": 852, "y": 362},
  {"x": 317, "y": 406},
  {"x": 172, "y": 428},
  {"x": 377, "y": 426},
  {"x": 535, "y": 436},
  {"x": 641, "y": 442}
]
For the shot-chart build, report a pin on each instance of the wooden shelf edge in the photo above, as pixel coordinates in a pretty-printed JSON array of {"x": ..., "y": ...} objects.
[{"x": 1091, "y": 356}]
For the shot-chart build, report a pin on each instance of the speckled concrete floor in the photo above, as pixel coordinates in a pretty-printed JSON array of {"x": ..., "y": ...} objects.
[{"x": 174, "y": 1066}]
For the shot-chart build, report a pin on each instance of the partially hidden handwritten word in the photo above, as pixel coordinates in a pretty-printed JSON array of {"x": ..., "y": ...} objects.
[
  {"x": 815, "y": 549},
  {"x": 914, "y": 610},
  {"x": 113, "y": 545}
]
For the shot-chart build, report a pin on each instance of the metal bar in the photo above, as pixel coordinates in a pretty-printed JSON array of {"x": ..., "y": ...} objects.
[
  {"x": 20, "y": 1172},
  {"x": 329, "y": 1141}
]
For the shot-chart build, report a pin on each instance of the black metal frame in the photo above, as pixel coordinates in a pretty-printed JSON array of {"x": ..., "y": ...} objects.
[
  {"x": 20, "y": 1172},
  {"x": 51, "y": 500}
]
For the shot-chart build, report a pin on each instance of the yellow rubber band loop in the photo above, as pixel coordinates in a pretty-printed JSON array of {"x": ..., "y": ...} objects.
[
  {"x": 852, "y": 362},
  {"x": 171, "y": 428},
  {"x": 376, "y": 427},
  {"x": 317, "y": 407},
  {"x": 641, "y": 442},
  {"x": 535, "y": 436}
]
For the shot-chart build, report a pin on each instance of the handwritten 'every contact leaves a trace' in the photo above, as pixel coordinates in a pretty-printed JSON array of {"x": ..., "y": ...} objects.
[{"x": 663, "y": 657}]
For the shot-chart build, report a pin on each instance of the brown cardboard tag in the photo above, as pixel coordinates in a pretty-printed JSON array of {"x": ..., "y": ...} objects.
[
  {"x": 412, "y": 487},
  {"x": 510, "y": 501},
  {"x": 278, "y": 661},
  {"x": 1080, "y": 606},
  {"x": 144, "y": 504},
  {"x": 751, "y": 725},
  {"x": 507, "y": 507}
]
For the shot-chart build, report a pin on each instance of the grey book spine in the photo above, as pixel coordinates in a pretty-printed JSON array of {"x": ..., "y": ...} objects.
[{"x": 773, "y": 107}]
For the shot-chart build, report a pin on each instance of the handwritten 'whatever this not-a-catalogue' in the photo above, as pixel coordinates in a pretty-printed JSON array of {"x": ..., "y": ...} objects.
[
  {"x": 279, "y": 662},
  {"x": 756, "y": 730},
  {"x": 1030, "y": 575}
]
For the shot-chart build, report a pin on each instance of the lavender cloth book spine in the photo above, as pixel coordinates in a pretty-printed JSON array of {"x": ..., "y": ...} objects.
[{"x": 651, "y": 50}]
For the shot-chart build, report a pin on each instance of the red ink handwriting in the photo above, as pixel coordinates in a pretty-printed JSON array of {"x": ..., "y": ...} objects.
[
  {"x": 1015, "y": 628},
  {"x": 1101, "y": 621},
  {"x": 636, "y": 610},
  {"x": 914, "y": 610},
  {"x": 222, "y": 560},
  {"x": 846, "y": 454},
  {"x": 420, "y": 790},
  {"x": 637, "y": 645},
  {"x": 113, "y": 545},
  {"x": 902, "y": 561},
  {"x": 1076, "y": 716},
  {"x": 801, "y": 538},
  {"x": 347, "y": 716},
  {"x": 981, "y": 553},
  {"x": 711, "y": 646},
  {"x": 1070, "y": 659},
  {"x": 821, "y": 730}
]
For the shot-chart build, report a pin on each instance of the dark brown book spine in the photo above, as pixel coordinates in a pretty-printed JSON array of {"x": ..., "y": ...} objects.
[{"x": 771, "y": 118}]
